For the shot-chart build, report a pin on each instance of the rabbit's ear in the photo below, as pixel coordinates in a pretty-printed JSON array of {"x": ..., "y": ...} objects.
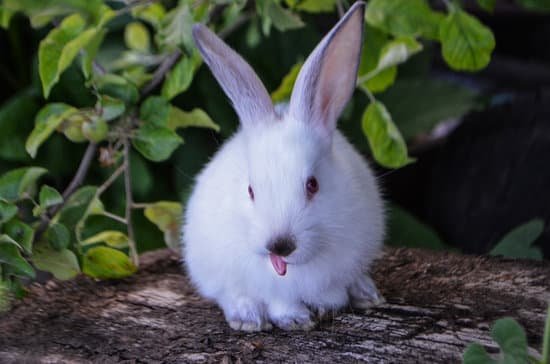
[
  {"x": 245, "y": 90},
  {"x": 328, "y": 77}
]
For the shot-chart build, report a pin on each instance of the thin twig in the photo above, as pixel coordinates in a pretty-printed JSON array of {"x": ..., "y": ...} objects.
[
  {"x": 111, "y": 179},
  {"x": 73, "y": 185},
  {"x": 115, "y": 217},
  {"x": 160, "y": 72},
  {"x": 128, "y": 193},
  {"x": 136, "y": 205},
  {"x": 80, "y": 173},
  {"x": 340, "y": 8},
  {"x": 224, "y": 33}
]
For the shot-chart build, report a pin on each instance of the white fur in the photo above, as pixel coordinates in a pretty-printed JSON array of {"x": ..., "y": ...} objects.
[{"x": 338, "y": 232}]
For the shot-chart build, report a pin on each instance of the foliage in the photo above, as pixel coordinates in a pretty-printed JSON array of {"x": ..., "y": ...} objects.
[
  {"x": 518, "y": 242},
  {"x": 511, "y": 338},
  {"x": 120, "y": 81}
]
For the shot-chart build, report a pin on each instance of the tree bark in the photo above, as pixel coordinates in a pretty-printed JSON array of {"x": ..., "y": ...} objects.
[{"x": 437, "y": 303}]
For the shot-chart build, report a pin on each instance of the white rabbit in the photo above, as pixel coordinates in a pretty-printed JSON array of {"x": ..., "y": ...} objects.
[{"x": 287, "y": 216}]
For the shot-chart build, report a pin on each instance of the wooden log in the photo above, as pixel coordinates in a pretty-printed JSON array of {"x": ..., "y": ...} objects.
[{"x": 437, "y": 303}]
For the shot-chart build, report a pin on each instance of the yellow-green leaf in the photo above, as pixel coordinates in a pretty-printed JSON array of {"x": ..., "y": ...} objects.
[
  {"x": 166, "y": 215},
  {"x": 106, "y": 263},
  {"x": 10, "y": 254},
  {"x": 90, "y": 51},
  {"x": 387, "y": 144},
  {"x": 179, "y": 78},
  {"x": 20, "y": 232},
  {"x": 17, "y": 183},
  {"x": 113, "y": 238},
  {"x": 152, "y": 13},
  {"x": 136, "y": 36},
  {"x": 62, "y": 264},
  {"x": 404, "y": 17},
  {"x": 7, "y": 211},
  {"x": 283, "y": 92},
  {"x": 391, "y": 54},
  {"x": 47, "y": 120},
  {"x": 59, "y": 48},
  {"x": 466, "y": 43},
  {"x": 49, "y": 196},
  {"x": 178, "y": 118},
  {"x": 156, "y": 143},
  {"x": 58, "y": 236}
]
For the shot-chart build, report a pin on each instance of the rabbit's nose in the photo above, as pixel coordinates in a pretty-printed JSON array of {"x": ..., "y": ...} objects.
[{"x": 282, "y": 246}]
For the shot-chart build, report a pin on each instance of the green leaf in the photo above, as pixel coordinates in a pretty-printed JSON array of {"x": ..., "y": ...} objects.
[
  {"x": 137, "y": 75},
  {"x": 106, "y": 263},
  {"x": 5, "y": 17},
  {"x": 283, "y": 92},
  {"x": 518, "y": 242},
  {"x": 166, "y": 215},
  {"x": 406, "y": 230},
  {"x": 313, "y": 6},
  {"x": 466, "y": 44},
  {"x": 152, "y": 13},
  {"x": 404, "y": 18},
  {"x": 418, "y": 104},
  {"x": 178, "y": 118},
  {"x": 136, "y": 37},
  {"x": 176, "y": 28},
  {"x": 17, "y": 183},
  {"x": 7, "y": 211},
  {"x": 487, "y": 5},
  {"x": 89, "y": 52},
  {"x": 49, "y": 196},
  {"x": 374, "y": 41},
  {"x": 156, "y": 143},
  {"x": 511, "y": 338},
  {"x": 58, "y": 236},
  {"x": 15, "y": 117},
  {"x": 117, "y": 87},
  {"x": 179, "y": 78},
  {"x": 20, "y": 232},
  {"x": 392, "y": 53},
  {"x": 44, "y": 11},
  {"x": 113, "y": 238},
  {"x": 47, "y": 120},
  {"x": 10, "y": 255},
  {"x": 58, "y": 50},
  {"x": 476, "y": 354},
  {"x": 110, "y": 107},
  {"x": 282, "y": 19},
  {"x": 62, "y": 264},
  {"x": 154, "y": 111},
  {"x": 76, "y": 210},
  {"x": 387, "y": 144},
  {"x": 5, "y": 294},
  {"x": 535, "y": 5},
  {"x": 95, "y": 129}
]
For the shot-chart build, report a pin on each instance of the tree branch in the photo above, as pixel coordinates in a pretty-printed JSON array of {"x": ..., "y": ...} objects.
[
  {"x": 160, "y": 72},
  {"x": 128, "y": 193}
]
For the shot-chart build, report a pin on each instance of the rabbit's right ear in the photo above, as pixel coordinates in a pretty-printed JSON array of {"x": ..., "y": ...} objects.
[{"x": 245, "y": 90}]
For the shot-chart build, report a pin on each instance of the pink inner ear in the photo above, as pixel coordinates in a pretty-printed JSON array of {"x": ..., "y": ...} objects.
[{"x": 339, "y": 70}]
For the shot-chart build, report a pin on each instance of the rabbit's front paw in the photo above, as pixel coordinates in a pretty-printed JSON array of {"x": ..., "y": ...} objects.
[
  {"x": 364, "y": 294},
  {"x": 246, "y": 314},
  {"x": 291, "y": 317}
]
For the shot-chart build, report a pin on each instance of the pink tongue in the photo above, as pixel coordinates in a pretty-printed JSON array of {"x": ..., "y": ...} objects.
[{"x": 278, "y": 263}]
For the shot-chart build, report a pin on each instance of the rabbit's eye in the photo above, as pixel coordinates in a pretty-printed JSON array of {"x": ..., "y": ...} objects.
[
  {"x": 251, "y": 193},
  {"x": 312, "y": 186}
]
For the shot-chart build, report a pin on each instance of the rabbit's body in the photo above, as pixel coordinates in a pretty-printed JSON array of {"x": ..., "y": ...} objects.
[{"x": 311, "y": 221}]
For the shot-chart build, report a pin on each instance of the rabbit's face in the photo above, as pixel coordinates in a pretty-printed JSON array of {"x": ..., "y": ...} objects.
[{"x": 286, "y": 191}]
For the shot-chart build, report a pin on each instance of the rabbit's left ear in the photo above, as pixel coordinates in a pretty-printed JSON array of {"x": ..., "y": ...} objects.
[
  {"x": 328, "y": 77},
  {"x": 240, "y": 83}
]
